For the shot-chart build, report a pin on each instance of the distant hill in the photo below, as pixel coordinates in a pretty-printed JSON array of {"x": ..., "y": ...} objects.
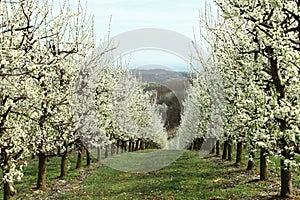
[
  {"x": 170, "y": 87},
  {"x": 160, "y": 75},
  {"x": 175, "y": 81}
]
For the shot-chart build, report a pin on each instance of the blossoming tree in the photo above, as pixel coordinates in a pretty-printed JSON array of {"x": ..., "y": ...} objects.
[{"x": 39, "y": 54}]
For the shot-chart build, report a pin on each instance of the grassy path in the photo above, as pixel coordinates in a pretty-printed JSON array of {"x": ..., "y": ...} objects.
[{"x": 188, "y": 178}]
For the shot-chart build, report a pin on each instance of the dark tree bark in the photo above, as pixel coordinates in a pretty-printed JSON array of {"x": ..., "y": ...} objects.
[
  {"x": 239, "y": 153},
  {"x": 264, "y": 174},
  {"x": 125, "y": 146},
  {"x": 58, "y": 151},
  {"x": 286, "y": 178},
  {"x": 88, "y": 158},
  {"x": 142, "y": 145},
  {"x": 99, "y": 154},
  {"x": 112, "y": 149},
  {"x": 132, "y": 146},
  {"x": 147, "y": 145},
  {"x": 41, "y": 182},
  {"x": 197, "y": 144},
  {"x": 137, "y": 145},
  {"x": 251, "y": 161},
  {"x": 118, "y": 147},
  {"x": 79, "y": 158},
  {"x": 218, "y": 148},
  {"x": 286, "y": 181},
  {"x": 229, "y": 148},
  {"x": 200, "y": 143},
  {"x": 129, "y": 146},
  {"x": 225, "y": 145},
  {"x": 9, "y": 191},
  {"x": 106, "y": 151},
  {"x": 212, "y": 148},
  {"x": 64, "y": 164},
  {"x": 122, "y": 146},
  {"x": 194, "y": 144}
]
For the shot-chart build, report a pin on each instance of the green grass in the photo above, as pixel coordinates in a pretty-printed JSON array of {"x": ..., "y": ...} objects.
[{"x": 190, "y": 177}]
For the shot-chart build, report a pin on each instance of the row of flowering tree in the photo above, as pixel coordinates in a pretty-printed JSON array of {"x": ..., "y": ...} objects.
[
  {"x": 43, "y": 46},
  {"x": 127, "y": 114},
  {"x": 40, "y": 49},
  {"x": 255, "y": 46}
]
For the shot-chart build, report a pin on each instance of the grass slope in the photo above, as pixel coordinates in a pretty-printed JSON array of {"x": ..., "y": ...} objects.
[{"x": 188, "y": 178}]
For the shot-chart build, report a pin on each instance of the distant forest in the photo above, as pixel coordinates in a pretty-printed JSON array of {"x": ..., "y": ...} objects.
[{"x": 170, "y": 87}]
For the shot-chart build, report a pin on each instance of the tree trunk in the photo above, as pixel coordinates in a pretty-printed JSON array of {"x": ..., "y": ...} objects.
[
  {"x": 64, "y": 164},
  {"x": 112, "y": 149},
  {"x": 239, "y": 153},
  {"x": 212, "y": 148},
  {"x": 9, "y": 191},
  {"x": 58, "y": 151},
  {"x": 79, "y": 158},
  {"x": 106, "y": 151},
  {"x": 286, "y": 180},
  {"x": 197, "y": 144},
  {"x": 118, "y": 147},
  {"x": 192, "y": 145},
  {"x": 218, "y": 148},
  {"x": 224, "y": 154},
  {"x": 142, "y": 145},
  {"x": 229, "y": 148},
  {"x": 251, "y": 161},
  {"x": 41, "y": 182},
  {"x": 122, "y": 147},
  {"x": 129, "y": 146},
  {"x": 132, "y": 146},
  {"x": 125, "y": 146},
  {"x": 137, "y": 145},
  {"x": 99, "y": 154},
  {"x": 88, "y": 158},
  {"x": 201, "y": 141},
  {"x": 147, "y": 145},
  {"x": 264, "y": 175}
]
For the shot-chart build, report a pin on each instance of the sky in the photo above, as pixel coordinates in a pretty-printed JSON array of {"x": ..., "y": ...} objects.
[{"x": 180, "y": 16}]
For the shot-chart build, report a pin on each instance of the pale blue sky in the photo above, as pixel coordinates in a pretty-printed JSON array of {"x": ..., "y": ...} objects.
[{"x": 176, "y": 15}]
